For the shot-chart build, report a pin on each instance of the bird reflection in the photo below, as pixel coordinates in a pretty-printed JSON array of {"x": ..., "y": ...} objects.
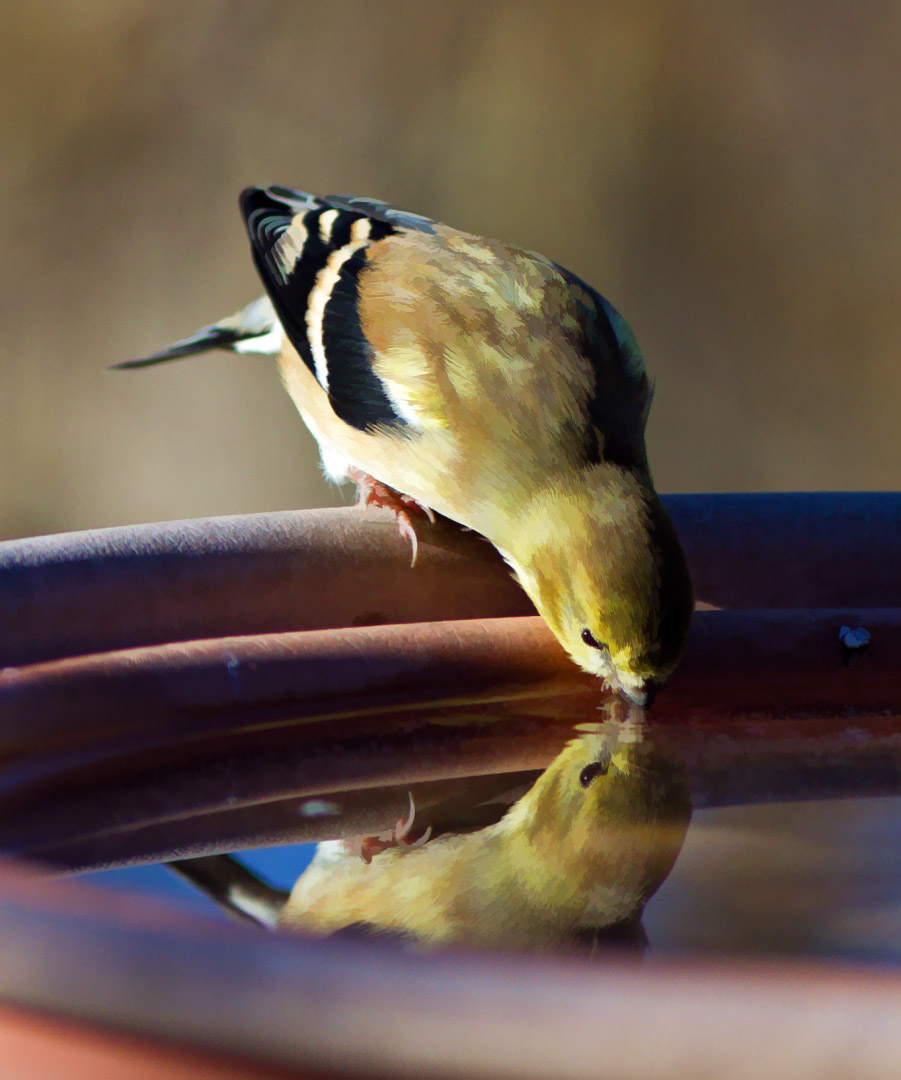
[{"x": 571, "y": 864}]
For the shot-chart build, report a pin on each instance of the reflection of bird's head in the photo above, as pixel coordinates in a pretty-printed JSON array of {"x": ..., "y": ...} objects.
[
  {"x": 602, "y": 826},
  {"x": 583, "y": 849}
]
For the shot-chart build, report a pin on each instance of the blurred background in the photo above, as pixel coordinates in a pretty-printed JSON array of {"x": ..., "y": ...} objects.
[{"x": 727, "y": 174}]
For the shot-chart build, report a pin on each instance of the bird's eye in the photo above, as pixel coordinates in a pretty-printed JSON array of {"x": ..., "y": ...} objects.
[
  {"x": 590, "y": 772},
  {"x": 591, "y": 640}
]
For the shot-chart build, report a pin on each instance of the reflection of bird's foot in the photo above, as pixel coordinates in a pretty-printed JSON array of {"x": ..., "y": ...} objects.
[
  {"x": 404, "y": 828},
  {"x": 372, "y": 492},
  {"x": 400, "y": 836}
]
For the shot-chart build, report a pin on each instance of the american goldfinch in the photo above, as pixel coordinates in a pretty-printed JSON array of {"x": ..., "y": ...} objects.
[
  {"x": 444, "y": 371},
  {"x": 583, "y": 850}
]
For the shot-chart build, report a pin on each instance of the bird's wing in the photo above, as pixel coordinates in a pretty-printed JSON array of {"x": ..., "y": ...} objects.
[
  {"x": 622, "y": 392},
  {"x": 409, "y": 325},
  {"x": 309, "y": 252}
]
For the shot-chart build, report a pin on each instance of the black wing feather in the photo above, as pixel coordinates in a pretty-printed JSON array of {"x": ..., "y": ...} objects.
[
  {"x": 356, "y": 393},
  {"x": 619, "y": 406}
]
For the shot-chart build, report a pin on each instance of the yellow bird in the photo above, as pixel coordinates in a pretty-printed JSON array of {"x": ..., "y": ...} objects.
[
  {"x": 582, "y": 851},
  {"x": 443, "y": 371}
]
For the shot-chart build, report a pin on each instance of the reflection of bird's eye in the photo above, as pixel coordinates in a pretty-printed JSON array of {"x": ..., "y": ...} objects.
[
  {"x": 591, "y": 640},
  {"x": 596, "y": 768}
]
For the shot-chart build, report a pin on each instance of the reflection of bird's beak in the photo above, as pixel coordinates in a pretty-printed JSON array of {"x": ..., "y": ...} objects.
[{"x": 641, "y": 694}]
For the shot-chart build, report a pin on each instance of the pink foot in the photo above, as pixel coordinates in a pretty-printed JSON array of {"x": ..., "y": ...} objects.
[
  {"x": 367, "y": 846},
  {"x": 371, "y": 492}
]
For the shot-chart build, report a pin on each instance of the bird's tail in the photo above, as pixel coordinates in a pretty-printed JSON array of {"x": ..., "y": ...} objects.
[
  {"x": 254, "y": 329},
  {"x": 230, "y": 885}
]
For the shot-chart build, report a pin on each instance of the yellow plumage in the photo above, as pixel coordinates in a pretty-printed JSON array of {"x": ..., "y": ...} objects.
[
  {"x": 490, "y": 385},
  {"x": 583, "y": 850}
]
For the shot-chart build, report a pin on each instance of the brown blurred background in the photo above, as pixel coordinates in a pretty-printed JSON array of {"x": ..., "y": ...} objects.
[{"x": 728, "y": 174}]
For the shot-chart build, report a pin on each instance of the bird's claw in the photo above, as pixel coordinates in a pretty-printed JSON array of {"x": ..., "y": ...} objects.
[
  {"x": 367, "y": 846},
  {"x": 372, "y": 492},
  {"x": 405, "y": 528},
  {"x": 405, "y": 826}
]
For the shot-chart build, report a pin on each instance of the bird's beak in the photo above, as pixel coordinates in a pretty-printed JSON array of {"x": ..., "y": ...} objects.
[{"x": 640, "y": 694}]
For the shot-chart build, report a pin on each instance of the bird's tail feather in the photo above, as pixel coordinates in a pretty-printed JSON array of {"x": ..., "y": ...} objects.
[
  {"x": 230, "y": 885},
  {"x": 254, "y": 329}
]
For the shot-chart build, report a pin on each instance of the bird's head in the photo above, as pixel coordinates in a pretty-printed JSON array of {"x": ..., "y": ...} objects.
[{"x": 603, "y": 565}]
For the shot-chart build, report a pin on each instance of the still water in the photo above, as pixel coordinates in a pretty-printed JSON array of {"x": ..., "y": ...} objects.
[{"x": 767, "y": 836}]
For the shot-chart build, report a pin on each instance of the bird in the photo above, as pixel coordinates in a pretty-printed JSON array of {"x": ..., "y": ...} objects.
[
  {"x": 579, "y": 854},
  {"x": 448, "y": 373}
]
